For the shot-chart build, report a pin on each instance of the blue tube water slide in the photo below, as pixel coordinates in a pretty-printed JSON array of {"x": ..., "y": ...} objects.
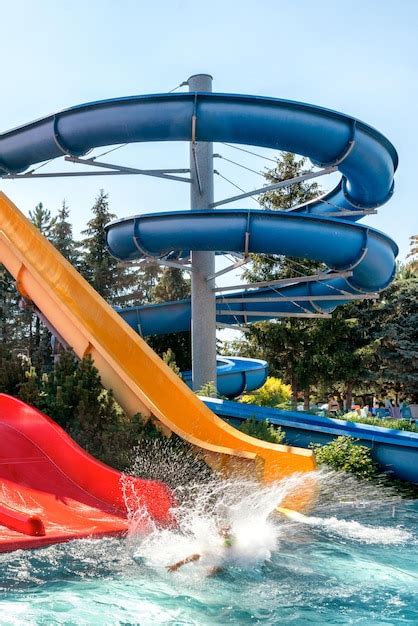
[
  {"x": 395, "y": 451},
  {"x": 366, "y": 160}
]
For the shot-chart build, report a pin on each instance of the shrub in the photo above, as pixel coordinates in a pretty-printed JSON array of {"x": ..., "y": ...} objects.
[
  {"x": 170, "y": 359},
  {"x": 262, "y": 430},
  {"x": 209, "y": 390},
  {"x": 345, "y": 454},
  {"x": 273, "y": 393},
  {"x": 396, "y": 424}
]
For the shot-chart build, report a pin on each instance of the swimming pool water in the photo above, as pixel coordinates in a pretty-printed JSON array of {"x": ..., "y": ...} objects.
[{"x": 354, "y": 562}]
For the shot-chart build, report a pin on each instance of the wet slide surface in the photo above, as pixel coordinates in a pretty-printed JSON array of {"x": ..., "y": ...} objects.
[{"x": 52, "y": 491}]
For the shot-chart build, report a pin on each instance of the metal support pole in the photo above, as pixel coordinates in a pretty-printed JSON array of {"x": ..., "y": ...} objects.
[{"x": 203, "y": 263}]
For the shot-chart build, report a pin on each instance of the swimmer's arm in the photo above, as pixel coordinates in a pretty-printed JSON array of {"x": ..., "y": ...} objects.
[{"x": 188, "y": 559}]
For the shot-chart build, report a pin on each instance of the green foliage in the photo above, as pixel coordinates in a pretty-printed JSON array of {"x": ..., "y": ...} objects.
[
  {"x": 208, "y": 390},
  {"x": 289, "y": 166},
  {"x": 73, "y": 396},
  {"x": 30, "y": 391},
  {"x": 262, "y": 430},
  {"x": 110, "y": 279},
  {"x": 9, "y": 311},
  {"x": 286, "y": 344},
  {"x": 62, "y": 236},
  {"x": 413, "y": 254},
  {"x": 172, "y": 285},
  {"x": 170, "y": 359},
  {"x": 178, "y": 343},
  {"x": 12, "y": 372},
  {"x": 42, "y": 219},
  {"x": 345, "y": 454},
  {"x": 273, "y": 393},
  {"x": 396, "y": 424},
  {"x": 395, "y": 332}
]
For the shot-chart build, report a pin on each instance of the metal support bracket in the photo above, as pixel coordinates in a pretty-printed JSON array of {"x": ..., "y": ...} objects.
[
  {"x": 283, "y": 183},
  {"x": 272, "y": 314},
  {"x": 158, "y": 261},
  {"x": 283, "y": 282},
  {"x": 228, "y": 326},
  {"x": 230, "y": 268},
  {"x": 296, "y": 299},
  {"x": 129, "y": 170}
]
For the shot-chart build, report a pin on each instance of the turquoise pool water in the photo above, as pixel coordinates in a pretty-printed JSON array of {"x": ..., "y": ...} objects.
[{"x": 354, "y": 561}]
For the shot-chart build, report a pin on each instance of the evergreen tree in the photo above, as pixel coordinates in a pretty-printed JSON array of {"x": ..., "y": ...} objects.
[
  {"x": 61, "y": 389},
  {"x": 278, "y": 266},
  {"x": 346, "y": 344},
  {"x": 12, "y": 372},
  {"x": 149, "y": 275},
  {"x": 43, "y": 220},
  {"x": 286, "y": 344},
  {"x": 396, "y": 336},
  {"x": 172, "y": 286},
  {"x": 39, "y": 337},
  {"x": 9, "y": 318},
  {"x": 109, "y": 278},
  {"x": 62, "y": 235},
  {"x": 413, "y": 254}
]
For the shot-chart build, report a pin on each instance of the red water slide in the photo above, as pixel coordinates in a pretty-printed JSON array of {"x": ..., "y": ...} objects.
[{"x": 52, "y": 491}]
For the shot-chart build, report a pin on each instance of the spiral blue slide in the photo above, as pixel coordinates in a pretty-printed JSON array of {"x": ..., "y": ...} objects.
[{"x": 325, "y": 230}]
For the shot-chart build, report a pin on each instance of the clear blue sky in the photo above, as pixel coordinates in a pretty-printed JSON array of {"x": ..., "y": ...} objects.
[{"x": 359, "y": 57}]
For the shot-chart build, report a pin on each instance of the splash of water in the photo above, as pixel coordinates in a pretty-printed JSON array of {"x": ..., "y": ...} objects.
[
  {"x": 244, "y": 506},
  {"x": 207, "y": 504},
  {"x": 352, "y": 529}
]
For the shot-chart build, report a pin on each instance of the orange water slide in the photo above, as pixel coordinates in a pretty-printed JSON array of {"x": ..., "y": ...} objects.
[{"x": 140, "y": 380}]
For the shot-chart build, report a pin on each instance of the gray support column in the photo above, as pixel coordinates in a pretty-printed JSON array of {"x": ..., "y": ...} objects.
[{"x": 203, "y": 263}]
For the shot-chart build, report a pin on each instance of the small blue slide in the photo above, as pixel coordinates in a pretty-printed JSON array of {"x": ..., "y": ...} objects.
[{"x": 325, "y": 230}]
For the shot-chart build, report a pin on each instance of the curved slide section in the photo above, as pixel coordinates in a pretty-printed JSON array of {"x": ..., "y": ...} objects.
[
  {"x": 236, "y": 375},
  {"x": 343, "y": 246},
  {"x": 140, "y": 380},
  {"x": 366, "y": 159},
  {"x": 53, "y": 491}
]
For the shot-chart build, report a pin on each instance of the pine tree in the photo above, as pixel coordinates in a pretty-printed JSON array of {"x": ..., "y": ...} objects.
[
  {"x": 396, "y": 334},
  {"x": 9, "y": 318},
  {"x": 109, "y": 278},
  {"x": 286, "y": 344},
  {"x": 12, "y": 372},
  {"x": 172, "y": 286},
  {"x": 347, "y": 347},
  {"x": 43, "y": 220},
  {"x": 272, "y": 267},
  {"x": 62, "y": 235},
  {"x": 413, "y": 254},
  {"x": 40, "y": 351}
]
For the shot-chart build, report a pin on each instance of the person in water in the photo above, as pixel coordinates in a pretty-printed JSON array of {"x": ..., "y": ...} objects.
[{"x": 228, "y": 542}]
